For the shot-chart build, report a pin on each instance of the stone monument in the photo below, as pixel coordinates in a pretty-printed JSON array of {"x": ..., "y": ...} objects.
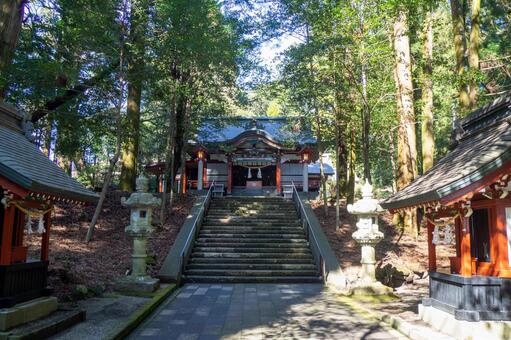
[
  {"x": 367, "y": 235},
  {"x": 141, "y": 203}
]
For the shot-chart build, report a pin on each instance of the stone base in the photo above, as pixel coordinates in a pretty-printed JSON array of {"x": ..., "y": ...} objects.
[
  {"x": 131, "y": 284},
  {"x": 26, "y": 312},
  {"x": 461, "y": 329},
  {"x": 372, "y": 289}
]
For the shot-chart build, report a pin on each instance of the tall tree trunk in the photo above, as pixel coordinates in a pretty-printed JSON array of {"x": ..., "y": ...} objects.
[
  {"x": 169, "y": 164},
  {"x": 473, "y": 51},
  {"x": 407, "y": 145},
  {"x": 392, "y": 152},
  {"x": 11, "y": 18},
  {"x": 366, "y": 124},
  {"x": 118, "y": 126},
  {"x": 460, "y": 46},
  {"x": 135, "y": 76},
  {"x": 427, "y": 133},
  {"x": 366, "y": 117},
  {"x": 350, "y": 195},
  {"x": 184, "y": 141}
]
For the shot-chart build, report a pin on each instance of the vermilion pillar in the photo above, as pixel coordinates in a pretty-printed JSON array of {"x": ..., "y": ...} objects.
[
  {"x": 205, "y": 174},
  {"x": 6, "y": 246},
  {"x": 183, "y": 180},
  {"x": 431, "y": 248},
  {"x": 466, "y": 257},
  {"x": 278, "y": 175},
  {"x": 229, "y": 176}
]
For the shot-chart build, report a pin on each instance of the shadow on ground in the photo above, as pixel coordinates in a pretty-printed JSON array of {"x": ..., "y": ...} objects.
[{"x": 257, "y": 311}]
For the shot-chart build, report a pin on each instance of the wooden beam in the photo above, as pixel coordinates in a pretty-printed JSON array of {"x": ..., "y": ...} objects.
[{"x": 477, "y": 186}]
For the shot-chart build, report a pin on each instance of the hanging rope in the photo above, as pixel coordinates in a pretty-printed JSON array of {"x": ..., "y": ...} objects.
[
  {"x": 31, "y": 214},
  {"x": 444, "y": 222}
]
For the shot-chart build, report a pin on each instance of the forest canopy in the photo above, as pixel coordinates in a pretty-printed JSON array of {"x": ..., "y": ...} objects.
[{"x": 113, "y": 85}]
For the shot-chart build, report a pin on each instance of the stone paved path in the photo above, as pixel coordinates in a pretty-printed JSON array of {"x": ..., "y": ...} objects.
[{"x": 257, "y": 311}]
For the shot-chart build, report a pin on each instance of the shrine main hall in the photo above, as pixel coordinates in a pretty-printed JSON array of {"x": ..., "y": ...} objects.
[{"x": 250, "y": 155}]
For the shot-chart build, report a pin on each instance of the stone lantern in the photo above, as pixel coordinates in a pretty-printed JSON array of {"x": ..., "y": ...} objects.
[
  {"x": 142, "y": 204},
  {"x": 367, "y": 235}
]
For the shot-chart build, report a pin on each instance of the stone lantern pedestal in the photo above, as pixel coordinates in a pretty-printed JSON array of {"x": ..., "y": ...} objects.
[
  {"x": 141, "y": 203},
  {"x": 367, "y": 235}
]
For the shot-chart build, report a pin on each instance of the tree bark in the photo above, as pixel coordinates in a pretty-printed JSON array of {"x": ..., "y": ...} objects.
[
  {"x": 460, "y": 47},
  {"x": 11, "y": 18},
  {"x": 427, "y": 132},
  {"x": 118, "y": 126},
  {"x": 473, "y": 51},
  {"x": 350, "y": 195},
  {"x": 77, "y": 90},
  {"x": 407, "y": 145},
  {"x": 169, "y": 165},
  {"x": 135, "y": 76}
]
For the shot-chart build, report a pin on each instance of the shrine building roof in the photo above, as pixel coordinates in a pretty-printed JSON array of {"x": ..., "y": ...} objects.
[
  {"x": 25, "y": 166},
  {"x": 283, "y": 130},
  {"x": 480, "y": 148}
]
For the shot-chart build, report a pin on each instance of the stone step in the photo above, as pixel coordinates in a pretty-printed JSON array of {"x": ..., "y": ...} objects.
[
  {"x": 227, "y": 235},
  {"x": 257, "y": 216},
  {"x": 252, "y": 223},
  {"x": 236, "y": 245},
  {"x": 298, "y": 250},
  {"x": 251, "y": 230},
  {"x": 249, "y": 260},
  {"x": 250, "y": 227},
  {"x": 250, "y": 272},
  {"x": 250, "y": 219},
  {"x": 249, "y": 255},
  {"x": 253, "y": 279},
  {"x": 251, "y": 266},
  {"x": 210, "y": 240}
]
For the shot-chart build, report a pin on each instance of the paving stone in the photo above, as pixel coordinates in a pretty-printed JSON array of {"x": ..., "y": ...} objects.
[
  {"x": 150, "y": 332},
  {"x": 188, "y": 336},
  {"x": 265, "y": 311},
  {"x": 201, "y": 291}
]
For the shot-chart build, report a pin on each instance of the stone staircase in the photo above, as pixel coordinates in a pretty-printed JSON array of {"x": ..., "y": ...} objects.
[{"x": 251, "y": 239}]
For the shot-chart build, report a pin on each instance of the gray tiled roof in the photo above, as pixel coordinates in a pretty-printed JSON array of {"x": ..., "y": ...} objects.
[
  {"x": 483, "y": 146},
  {"x": 280, "y": 129},
  {"x": 22, "y": 163}
]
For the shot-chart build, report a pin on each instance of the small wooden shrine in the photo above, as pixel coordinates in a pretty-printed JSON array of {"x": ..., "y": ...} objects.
[
  {"x": 466, "y": 199},
  {"x": 29, "y": 185},
  {"x": 250, "y": 154}
]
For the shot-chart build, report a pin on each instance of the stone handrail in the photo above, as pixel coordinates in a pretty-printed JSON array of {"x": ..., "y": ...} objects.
[
  {"x": 331, "y": 271},
  {"x": 173, "y": 266}
]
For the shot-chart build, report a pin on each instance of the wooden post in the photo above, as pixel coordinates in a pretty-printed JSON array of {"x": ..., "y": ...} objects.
[
  {"x": 205, "y": 174},
  {"x": 45, "y": 241},
  {"x": 183, "y": 180},
  {"x": 6, "y": 246},
  {"x": 229, "y": 176},
  {"x": 277, "y": 175},
  {"x": 466, "y": 256},
  {"x": 499, "y": 240},
  {"x": 431, "y": 248}
]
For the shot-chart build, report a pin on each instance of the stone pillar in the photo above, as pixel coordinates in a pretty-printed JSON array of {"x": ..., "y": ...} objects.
[
  {"x": 305, "y": 177},
  {"x": 142, "y": 204},
  {"x": 200, "y": 175},
  {"x": 367, "y": 235}
]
